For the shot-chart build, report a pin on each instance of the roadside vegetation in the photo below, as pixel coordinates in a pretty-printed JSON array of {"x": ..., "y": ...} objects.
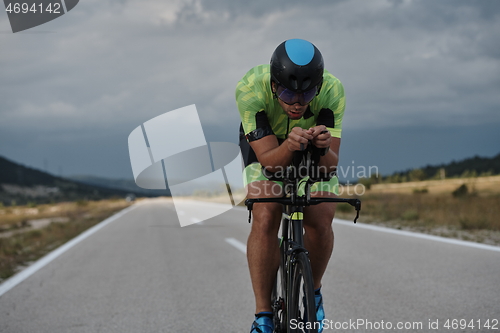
[
  {"x": 459, "y": 200},
  {"x": 443, "y": 209},
  {"x": 468, "y": 168},
  {"x": 31, "y": 231}
]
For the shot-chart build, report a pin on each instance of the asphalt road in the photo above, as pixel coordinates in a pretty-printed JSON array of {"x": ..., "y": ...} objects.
[{"x": 144, "y": 273}]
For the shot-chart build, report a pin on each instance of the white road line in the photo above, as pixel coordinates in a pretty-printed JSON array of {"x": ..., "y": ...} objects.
[
  {"x": 419, "y": 235},
  {"x": 26, "y": 273},
  {"x": 237, "y": 244}
]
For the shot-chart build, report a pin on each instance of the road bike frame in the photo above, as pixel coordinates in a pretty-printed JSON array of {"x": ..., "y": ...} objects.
[{"x": 293, "y": 295}]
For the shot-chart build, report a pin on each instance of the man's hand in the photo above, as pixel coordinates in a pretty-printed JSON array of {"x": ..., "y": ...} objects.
[
  {"x": 321, "y": 136},
  {"x": 299, "y": 138}
]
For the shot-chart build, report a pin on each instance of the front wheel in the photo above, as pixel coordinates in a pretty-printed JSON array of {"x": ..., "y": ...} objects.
[
  {"x": 278, "y": 294},
  {"x": 301, "y": 305}
]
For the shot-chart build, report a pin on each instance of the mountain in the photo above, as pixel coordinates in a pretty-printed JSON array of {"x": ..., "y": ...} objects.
[
  {"x": 473, "y": 166},
  {"x": 21, "y": 185},
  {"x": 122, "y": 184}
]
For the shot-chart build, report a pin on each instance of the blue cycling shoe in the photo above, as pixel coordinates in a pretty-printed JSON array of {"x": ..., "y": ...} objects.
[
  {"x": 320, "y": 312},
  {"x": 262, "y": 324}
]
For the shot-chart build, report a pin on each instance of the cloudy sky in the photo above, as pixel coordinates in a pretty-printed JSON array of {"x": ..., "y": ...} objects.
[{"x": 422, "y": 78}]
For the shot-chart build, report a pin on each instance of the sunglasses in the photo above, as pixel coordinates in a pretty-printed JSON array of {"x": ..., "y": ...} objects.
[{"x": 290, "y": 97}]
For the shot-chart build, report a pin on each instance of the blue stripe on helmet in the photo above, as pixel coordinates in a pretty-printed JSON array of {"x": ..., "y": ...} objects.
[{"x": 299, "y": 51}]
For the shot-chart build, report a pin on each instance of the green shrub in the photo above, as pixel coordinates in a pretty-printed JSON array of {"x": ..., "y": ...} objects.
[
  {"x": 461, "y": 191},
  {"x": 417, "y": 175},
  {"x": 35, "y": 234},
  {"x": 345, "y": 208},
  {"x": 472, "y": 224},
  {"x": 367, "y": 182},
  {"x": 82, "y": 203},
  {"x": 410, "y": 215}
]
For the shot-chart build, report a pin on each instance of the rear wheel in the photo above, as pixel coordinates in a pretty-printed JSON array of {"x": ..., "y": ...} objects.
[{"x": 301, "y": 307}]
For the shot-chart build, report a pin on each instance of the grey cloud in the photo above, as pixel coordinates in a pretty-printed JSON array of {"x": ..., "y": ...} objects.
[
  {"x": 111, "y": 65},
  {"x": 259, "y": 8},
  {"x": 435, "y": 15}
]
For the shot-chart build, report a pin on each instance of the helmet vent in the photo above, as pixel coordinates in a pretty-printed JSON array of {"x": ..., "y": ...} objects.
[
  {"x": 306, "y": 83},
  {"x": 293, "y": 82}
]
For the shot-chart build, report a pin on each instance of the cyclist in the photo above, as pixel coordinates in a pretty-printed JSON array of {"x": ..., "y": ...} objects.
[{"x": 283, "y": 106}]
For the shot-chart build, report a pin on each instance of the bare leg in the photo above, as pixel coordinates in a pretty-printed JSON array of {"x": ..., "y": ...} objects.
[{"x": 262, "y": 249}]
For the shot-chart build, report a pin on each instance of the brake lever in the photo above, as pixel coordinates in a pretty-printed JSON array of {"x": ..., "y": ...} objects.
[
  {"x": 357, "y": 215},
  {"x": 249, "y": 205},
  {"x": 357, "y": 206}
]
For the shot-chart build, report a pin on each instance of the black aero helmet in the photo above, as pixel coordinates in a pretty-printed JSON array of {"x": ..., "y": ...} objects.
[{"x": 297, "y": 65}]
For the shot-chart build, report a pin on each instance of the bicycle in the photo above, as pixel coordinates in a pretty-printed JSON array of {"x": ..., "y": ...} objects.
[{"x": 294, "y": 309}]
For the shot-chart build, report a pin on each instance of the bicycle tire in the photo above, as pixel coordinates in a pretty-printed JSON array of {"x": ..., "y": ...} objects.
[
  {"x": 301, "y": 307},
  {"x": 278, "y": 296}
]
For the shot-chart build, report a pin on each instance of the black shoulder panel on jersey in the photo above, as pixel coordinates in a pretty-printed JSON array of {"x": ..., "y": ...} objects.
[
  {"x": 247, "y": 152},
  {"x": 263, "y": 128},
  {"x": 325, "y": 117}
]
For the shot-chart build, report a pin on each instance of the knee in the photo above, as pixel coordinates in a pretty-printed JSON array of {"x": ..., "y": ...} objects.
[
  {"x": 266, "y": 218},
  {"x": 321, "y": 226}
]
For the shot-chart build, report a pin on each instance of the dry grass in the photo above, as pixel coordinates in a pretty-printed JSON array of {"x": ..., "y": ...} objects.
[
  {"x": 468, "y": 212},
  {"x": 483, "y": 186},
  {"x": 470, "y": 217},
  {"x": 27, "y": 244},
  {"x": 465, "y": 203}
]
